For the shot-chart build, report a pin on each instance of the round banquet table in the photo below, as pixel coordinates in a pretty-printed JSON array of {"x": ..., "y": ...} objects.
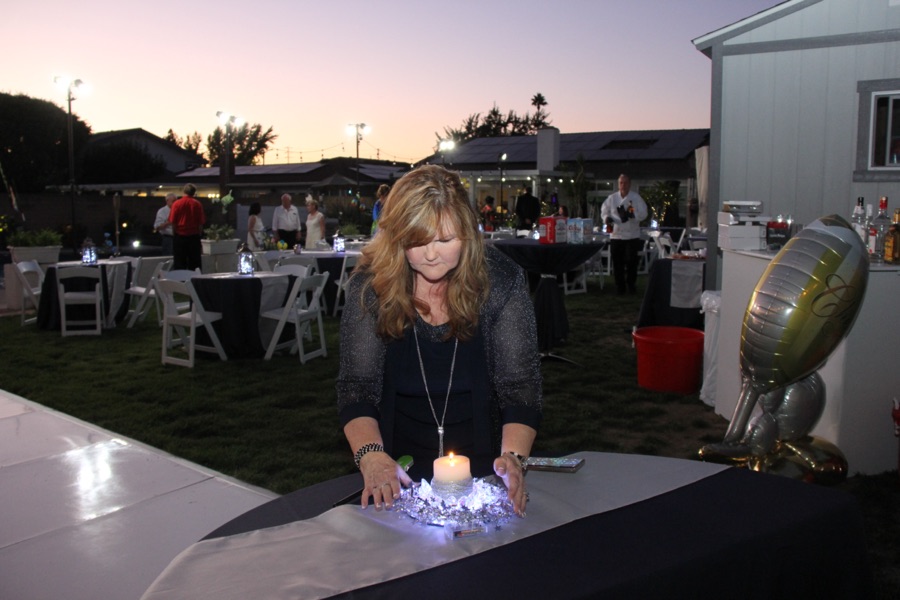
[
  {"x": 240, "y": 299},
  {"x": 549, "y": 261},
  {"x": 730, "y": 533},
  {"x": 115, "y": 277}
]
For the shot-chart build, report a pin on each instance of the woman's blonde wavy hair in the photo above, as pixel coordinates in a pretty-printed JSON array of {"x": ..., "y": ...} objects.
[{"x": 417, "y": 209}]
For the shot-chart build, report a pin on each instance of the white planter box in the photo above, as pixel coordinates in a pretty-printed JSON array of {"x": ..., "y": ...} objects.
[
  {"x": 220, "y": 246},
  {"x": 45, "y": 255}
]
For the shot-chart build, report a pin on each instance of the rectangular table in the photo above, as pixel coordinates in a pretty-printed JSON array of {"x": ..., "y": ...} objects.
[{"x": 732, "y": 533}]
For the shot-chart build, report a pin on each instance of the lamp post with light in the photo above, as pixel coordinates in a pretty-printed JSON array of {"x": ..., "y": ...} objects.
[
  {"x": 359, "y": 130},
  {"x": 226, "y": 167},
  {"x": 70, "y": 86},
  {"x": 446, "y": 146},
  {"x": 501, "y": 158}
]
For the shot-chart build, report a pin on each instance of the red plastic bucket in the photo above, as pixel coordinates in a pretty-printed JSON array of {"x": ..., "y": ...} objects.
[{"x": 670, "y": 359}]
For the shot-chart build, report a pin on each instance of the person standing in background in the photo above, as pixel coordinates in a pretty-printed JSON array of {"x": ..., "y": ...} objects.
[
  {"x": 380, "y": 195},
  {"x": 162, "y": 226},
  {"x": 528, "y": 210},
  {"x": 624, "y": 211},
  {"x": 256, "y": 232},
  {"x": 187, "y": 219},
  {"x": 315, "y": 225},
  {"x": 286, "y": 221}
]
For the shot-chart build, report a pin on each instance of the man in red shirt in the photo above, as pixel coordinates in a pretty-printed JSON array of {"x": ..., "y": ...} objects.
[{"x": 187, "y": 218}]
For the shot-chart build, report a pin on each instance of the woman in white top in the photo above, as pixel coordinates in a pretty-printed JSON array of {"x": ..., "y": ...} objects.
[
  {"x": 255, "y": 229},
  {"x": 315, "y": 225}
]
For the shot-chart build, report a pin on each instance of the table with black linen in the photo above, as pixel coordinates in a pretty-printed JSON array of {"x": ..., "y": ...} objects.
[
  {"x": 115, "y": 278},
  {"x": 733, "y": 534},
  {"x": 672, "y": 297},
  {"x": 240, "y": 299},
  {"x": 549, "y": 261}
]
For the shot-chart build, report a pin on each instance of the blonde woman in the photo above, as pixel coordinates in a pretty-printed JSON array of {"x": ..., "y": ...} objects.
[
  {"x": 438, "y": 345},
  {"x": 315, "y": 225}
]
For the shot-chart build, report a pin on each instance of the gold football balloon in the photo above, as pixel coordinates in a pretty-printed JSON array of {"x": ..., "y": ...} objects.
[{"x": 804, "y": 304}]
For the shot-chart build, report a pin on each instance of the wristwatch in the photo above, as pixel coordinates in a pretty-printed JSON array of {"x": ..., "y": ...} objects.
[{"x": 523, "y": 460}]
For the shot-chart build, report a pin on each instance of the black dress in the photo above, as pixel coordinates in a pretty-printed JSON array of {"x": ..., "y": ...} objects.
[{"x": 497, "y": 378}]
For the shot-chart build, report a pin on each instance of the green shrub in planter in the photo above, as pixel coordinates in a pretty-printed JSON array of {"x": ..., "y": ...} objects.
[{"x": 39, "y": 237}]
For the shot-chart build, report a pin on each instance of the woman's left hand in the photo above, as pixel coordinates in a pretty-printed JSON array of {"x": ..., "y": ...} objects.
[{"x": 508, "y": 468}]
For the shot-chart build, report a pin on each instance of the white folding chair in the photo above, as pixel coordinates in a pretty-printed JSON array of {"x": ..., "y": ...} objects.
[
  {"x": 663, "y": 243},
  {"x": 184, "y": 323},
  {"x": 31, "y": 278},
  {"x": 310, "y": 262},
  {"x": 346, "y": 271},
  {"x": 299, "y": 271},
  {"x": 314, "y": 309},
  {"x": 302, "y": 315},
  {"x": 575, "y": 282},
  {"x": 79, "y": 298},
  {"x": 143, "y": 289},
  {"x": 179, "y": 274},
  {"x": 267, "y": 260},
  {"x": 646, "y": 256},
  {"x": 284, "y": 313}
]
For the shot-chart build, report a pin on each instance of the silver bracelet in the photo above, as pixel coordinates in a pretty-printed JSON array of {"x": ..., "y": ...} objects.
[{"x": 373, "y": 447}]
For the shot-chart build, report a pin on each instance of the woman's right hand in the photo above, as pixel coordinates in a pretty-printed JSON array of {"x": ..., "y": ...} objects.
[{"x": 382, "y": 479}]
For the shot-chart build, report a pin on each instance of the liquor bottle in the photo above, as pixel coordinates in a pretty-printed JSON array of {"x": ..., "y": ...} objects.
[
  {"x": 892, "y": 241},
  {"x": 858, "y": 221},
  {"x": 877, "y": 231},
  {"x": 870, "y": 237}
]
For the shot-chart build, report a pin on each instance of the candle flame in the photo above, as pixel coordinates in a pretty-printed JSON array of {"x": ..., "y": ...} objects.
[{"x": 451, "y": 459}]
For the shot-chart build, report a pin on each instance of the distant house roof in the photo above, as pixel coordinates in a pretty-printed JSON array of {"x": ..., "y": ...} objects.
[
  {"x": 602, "y": 151},
  {"x": 175, "y": 158}
]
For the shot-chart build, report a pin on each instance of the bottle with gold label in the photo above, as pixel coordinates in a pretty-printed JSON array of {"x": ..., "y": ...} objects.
[{"x": 892, "y": 241}]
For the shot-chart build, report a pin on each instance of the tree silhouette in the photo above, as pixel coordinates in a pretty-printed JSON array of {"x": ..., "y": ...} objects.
[
  {"x": 34, "y": 142},
  {"x": 191, "y": 142},
  {"x": 250, "y": 144},
  {"x": 496, "y": 124}
]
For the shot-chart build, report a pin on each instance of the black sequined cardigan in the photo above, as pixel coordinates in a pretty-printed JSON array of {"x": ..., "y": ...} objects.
[{"x": 507, "y": 328}]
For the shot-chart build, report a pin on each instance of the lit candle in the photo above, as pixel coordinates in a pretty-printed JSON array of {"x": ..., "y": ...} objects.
[{"x": 450, "y": 468}]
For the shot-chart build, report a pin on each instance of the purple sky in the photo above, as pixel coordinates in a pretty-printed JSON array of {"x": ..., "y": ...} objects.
[{"x": 406, "y": 68}]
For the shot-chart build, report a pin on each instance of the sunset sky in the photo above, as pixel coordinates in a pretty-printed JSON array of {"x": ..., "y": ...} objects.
[{"x": 406, "y": 68}]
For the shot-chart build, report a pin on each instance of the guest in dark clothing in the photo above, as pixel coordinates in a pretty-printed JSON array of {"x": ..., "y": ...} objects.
[
  {"x": 187, "y": 219},
  {"x": 438, "y": 340},
  {"x": 528, "y": 210}
]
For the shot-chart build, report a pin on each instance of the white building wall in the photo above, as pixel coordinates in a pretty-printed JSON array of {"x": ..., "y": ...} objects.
[{"x": 789, "y": 117}]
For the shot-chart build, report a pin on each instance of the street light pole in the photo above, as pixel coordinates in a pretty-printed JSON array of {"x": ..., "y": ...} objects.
[
  {"x": 226, "y": 165},
  {"x": 500, "y": 158},
  {"x": 358, "y": 129},
  {"x": 71, "y": 85}
]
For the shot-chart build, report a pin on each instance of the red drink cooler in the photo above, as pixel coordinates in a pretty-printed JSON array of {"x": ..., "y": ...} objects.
[{"x": 670, "y": 359}]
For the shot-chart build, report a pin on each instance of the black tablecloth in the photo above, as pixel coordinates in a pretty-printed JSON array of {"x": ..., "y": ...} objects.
[
  {"x": 48, "y": 307},
  {"x": 656, "y": 308},
  {"x": 548, "y": 260},
  {"x": 238, "y": 299},
  {"x": 331, "y": 265},
  {"x": 736, "y": 534}
]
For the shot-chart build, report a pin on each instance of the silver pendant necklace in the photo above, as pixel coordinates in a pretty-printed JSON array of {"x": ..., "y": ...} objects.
[{"x": 440, "y": 424}]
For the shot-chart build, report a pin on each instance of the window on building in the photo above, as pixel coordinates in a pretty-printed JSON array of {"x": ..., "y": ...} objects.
[
  {"x": 885, "y": 130},
  {"x": 878, "y": 131}
]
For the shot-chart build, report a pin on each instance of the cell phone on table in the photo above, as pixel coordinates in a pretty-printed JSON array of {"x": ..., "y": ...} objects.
[{"x": 559, "y": 465}]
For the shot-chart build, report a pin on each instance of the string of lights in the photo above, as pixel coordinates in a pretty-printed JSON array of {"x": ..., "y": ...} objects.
[{"x": 289, "y": 154}]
